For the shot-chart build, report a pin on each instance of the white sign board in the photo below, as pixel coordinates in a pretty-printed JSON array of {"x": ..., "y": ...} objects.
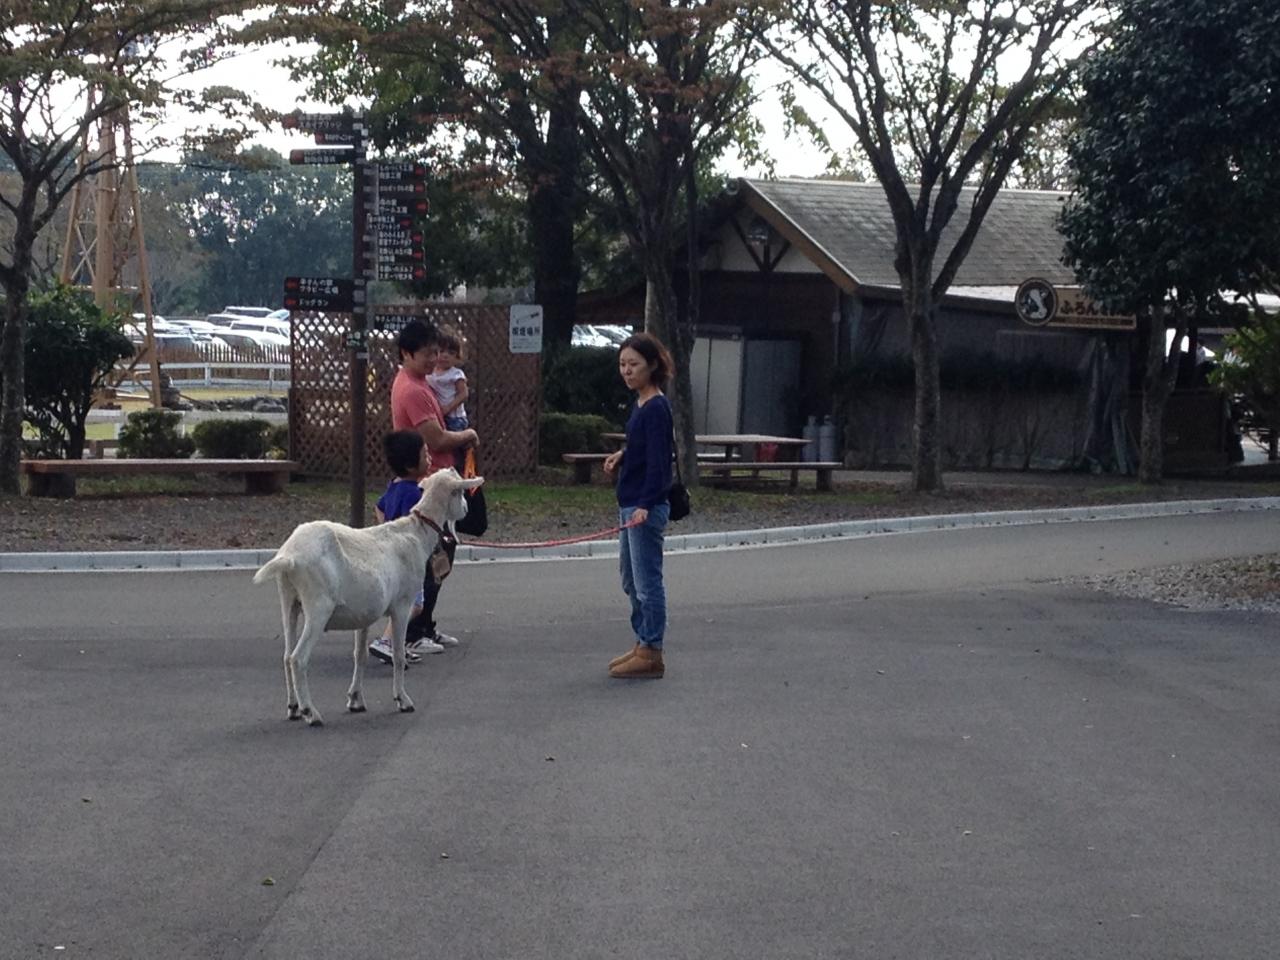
[{"x": 525, "y": 331}]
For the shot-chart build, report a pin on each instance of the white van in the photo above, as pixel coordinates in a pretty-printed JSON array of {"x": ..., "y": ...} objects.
[
  {"x": 273, "y": 325},
  {"x": 258, "y": 312}
]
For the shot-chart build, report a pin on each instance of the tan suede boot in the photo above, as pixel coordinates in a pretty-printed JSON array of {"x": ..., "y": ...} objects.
[
  {"x": 644, "y": 664},
  {"x": 626, "y": 656}
]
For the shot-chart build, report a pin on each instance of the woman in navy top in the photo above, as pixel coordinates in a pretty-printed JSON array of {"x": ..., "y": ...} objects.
[{"x": 644, "y": 480}]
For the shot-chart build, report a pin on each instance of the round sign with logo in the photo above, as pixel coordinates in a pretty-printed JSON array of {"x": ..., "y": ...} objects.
[{"x": 1036, "y": 301}]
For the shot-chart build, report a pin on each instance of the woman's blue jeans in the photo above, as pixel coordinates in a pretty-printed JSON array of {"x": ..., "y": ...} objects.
[{"x": 640, "y": 562}]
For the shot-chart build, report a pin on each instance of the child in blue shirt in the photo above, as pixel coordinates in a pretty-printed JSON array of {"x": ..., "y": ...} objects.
[{"x": 410, "y": 461}]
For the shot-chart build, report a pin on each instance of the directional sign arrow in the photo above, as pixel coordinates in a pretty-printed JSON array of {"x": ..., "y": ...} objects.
[
  {"x": 393, "y": 172},
  {"x": 405, "y": 207},
  {"x": 390, "y": 220},
  {"x": 319, "y": 293},
  {"x": 336, "y": 138},
  {"x": 387, "y": 271},
  {"x": 315, "y": 122},
  {"x": 404, "y": 188},
  {"x": 323, "y": 155}
]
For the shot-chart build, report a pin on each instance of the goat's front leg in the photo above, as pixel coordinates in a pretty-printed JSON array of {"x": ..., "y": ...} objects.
[
  {"x": 355, "y": 695},
  {"x": 399, "y": 624}
]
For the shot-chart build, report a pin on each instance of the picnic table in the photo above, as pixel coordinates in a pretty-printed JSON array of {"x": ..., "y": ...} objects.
[
  {"x": 732, "y": 460},
  {"x": 732, "y": 444}
]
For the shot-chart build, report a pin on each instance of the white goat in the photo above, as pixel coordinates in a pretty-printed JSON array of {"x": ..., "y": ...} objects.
[{"x": 334, "y": 577}]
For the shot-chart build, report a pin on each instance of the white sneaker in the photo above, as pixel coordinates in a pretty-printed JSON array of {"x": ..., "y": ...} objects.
[
  {"x": 445, "y": 640},
  {"x": 423, "y": 645},
  {"x": 381, "y": 648}
]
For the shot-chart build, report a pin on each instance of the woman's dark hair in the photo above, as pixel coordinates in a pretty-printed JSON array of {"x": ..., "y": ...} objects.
[
  {"x": 415, "y": 335},
  {"x": 404, "y": 451},
  {"x": 651, "y": 348}
]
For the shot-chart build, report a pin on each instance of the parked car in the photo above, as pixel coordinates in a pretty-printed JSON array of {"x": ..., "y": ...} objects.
[
  {"x": 257, "y": 312},
  {"x": 585, "y": 335},
  {"x": 195, "y": 326},
  {"x": 158, "y": 323},
  {"x": 265, "y": 325},
  {"x": 274, "y": 325},
  {"x": 251, "y": 342}
]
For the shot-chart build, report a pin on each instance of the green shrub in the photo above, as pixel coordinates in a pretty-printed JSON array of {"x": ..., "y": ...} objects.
[
  {"x": 154, "y": 433},
  {"x": 232, "y": 439},
  {"x": 560, "y": 433},
  {"x": 71, "y": 348},
  {"x": 278, "y": 442},
  {"x": 584, "y": 380}
]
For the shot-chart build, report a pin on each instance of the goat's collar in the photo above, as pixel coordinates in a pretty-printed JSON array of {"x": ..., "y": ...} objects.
[{"x": 428, "y": 522}]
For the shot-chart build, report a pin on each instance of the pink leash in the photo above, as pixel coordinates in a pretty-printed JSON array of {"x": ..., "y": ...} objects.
[{"x": 598, "y": 535}]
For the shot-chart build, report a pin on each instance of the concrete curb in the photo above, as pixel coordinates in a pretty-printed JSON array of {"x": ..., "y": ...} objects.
[{"x": 124, "y": 561}]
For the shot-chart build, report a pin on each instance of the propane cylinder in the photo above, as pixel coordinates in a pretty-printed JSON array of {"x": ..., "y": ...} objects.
[
  {"x": 810, "y": 432},
  {"x": 826, "y": 439}
]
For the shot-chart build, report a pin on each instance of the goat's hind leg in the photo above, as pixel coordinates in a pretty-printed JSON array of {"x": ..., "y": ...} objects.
[
  {"x": 290, "y": 613},
  {"x": 355, "y": 695},
  {"x": 399, "y": 624},
  {"x": 313, "y": 624}
]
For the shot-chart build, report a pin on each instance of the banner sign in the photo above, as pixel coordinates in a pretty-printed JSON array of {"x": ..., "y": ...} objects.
[{"x": 1041, "y": 304}]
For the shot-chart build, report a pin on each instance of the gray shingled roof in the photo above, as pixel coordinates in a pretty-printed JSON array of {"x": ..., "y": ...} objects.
[{"x": 851, "y": 222}]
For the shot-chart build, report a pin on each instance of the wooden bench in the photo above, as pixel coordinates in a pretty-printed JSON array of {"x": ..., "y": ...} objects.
[
  {"x": 57, "y": 478},
  {"x": 98, "y": 448},
  {"x": 721, "y": 472},
  {"x": 580, "y": 465}
]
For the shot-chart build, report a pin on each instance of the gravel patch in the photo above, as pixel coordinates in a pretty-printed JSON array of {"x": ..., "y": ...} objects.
[{"x": 1251, "y": 583}]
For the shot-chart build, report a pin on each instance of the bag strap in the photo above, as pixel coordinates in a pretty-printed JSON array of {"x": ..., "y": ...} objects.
[{"x": 675, "y": 451}]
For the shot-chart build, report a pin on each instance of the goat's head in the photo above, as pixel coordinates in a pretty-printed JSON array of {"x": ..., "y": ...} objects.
[{"x": 444, "y": 495}]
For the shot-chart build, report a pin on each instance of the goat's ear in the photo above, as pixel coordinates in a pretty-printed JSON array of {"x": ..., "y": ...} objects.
[{"x": 472, "y": 483}]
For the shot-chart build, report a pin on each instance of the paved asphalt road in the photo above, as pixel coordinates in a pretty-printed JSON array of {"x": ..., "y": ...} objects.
[{"x": 915, "y": 746}]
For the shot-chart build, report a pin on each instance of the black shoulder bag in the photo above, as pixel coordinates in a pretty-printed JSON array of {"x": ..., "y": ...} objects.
[{"x": 678, "y": 495}]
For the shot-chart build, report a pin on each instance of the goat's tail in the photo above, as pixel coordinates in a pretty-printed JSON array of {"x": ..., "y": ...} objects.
[{"x": 274, "y": 567}]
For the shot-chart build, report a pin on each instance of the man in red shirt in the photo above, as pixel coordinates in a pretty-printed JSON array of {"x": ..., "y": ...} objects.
[
  {"x": 414, "y": 407},
  {"x": 413, "y": 403}
]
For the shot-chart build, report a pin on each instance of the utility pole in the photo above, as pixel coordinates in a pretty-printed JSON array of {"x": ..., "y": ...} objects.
[{"x": 104, "y": 231}]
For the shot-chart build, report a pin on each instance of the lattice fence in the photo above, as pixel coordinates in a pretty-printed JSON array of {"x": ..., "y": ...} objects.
[{"x": 502, "y": 405}]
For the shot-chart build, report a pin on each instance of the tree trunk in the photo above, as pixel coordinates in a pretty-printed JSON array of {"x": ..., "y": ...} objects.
[
  {"x": 12, "y": 374},
  {"x": 926, "y": 458},
  {"x": 661, "y": 320},
  {"x": 1157, "y": 383},
  {"x": 553, "y": 208}
]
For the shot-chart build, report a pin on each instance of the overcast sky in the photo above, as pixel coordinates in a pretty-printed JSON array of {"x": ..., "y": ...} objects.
[{"x": 794, "y": 156}]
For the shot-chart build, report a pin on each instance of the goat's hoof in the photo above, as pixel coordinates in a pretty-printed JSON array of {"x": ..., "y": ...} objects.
[
  {"x": 313, "y": 717},
  {"x": 294, "y": 712},
  {"x": 356, "y": 707},
  {"x": 405, "y": 705}
]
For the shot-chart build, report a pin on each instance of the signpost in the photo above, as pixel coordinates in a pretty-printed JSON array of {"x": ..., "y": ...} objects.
[
  {"x": 395, "y": 250},
  {"x": 386, "y": 245},
  {"x": 1041, "y": 304},
  {"x": 344, "y": 137}
]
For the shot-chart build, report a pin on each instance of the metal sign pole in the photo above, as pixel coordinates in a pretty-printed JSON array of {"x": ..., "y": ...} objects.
[{"x": 357, "y": 342}]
